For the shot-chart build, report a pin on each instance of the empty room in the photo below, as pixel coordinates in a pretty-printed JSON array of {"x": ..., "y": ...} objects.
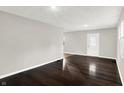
[{"x": 61, "y": 46}]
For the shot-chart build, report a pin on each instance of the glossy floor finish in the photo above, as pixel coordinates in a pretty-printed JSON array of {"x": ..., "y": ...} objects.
[{"x": 74, "y": 70}]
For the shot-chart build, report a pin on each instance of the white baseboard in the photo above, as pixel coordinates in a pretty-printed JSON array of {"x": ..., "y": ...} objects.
[
  {"x": 26, "y": 69},
  {"x": 120, "y": 72},
  {"x": 90, "y": 55}
]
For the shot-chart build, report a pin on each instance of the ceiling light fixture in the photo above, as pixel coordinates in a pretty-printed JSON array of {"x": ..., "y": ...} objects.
[
  {"x": 53, "y": 7},
  {"x": 85, "y": 25}
]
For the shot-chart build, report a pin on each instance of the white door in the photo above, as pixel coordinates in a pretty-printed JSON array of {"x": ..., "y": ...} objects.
[{"x": 93, "y": 44}]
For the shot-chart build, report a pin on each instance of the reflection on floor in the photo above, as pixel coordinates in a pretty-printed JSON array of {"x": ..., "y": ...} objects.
[{"x": 73, "y": 70}]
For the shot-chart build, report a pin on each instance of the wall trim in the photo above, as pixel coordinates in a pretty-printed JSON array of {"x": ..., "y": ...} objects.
[
  {"x": 26, "y": 69},
  {"x": 117, "y": 62},
  {"x": 91, "y": 55}
]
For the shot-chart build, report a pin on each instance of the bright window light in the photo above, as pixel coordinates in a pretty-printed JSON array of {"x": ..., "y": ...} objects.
[{"x": 121, "y": 30}]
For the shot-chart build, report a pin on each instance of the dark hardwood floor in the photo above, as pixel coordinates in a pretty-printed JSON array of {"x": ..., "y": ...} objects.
[{"x": 74, "y": 70}]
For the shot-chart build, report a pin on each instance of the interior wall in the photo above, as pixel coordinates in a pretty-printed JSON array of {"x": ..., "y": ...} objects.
[
  {"x": 120, "y": 52},
  {"x": 25, "y": 43},
  {"x": 76, "y": 42}
]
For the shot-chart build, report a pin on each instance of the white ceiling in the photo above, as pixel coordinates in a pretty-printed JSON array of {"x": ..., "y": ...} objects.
[{"x": 71, "y": 18}]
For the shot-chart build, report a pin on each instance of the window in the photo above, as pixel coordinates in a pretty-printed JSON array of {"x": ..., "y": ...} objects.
[
  {"x": 121, "y": 39},
  {"x": 93, "y": 44},
  {"x": 121, "y": 30}
]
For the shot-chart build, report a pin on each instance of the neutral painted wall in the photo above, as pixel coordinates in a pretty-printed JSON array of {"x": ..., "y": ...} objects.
[
  {"x": 76, "y": 42},
  {"x": 25, "y": 43},
  {"x": 120, "y": 52}
]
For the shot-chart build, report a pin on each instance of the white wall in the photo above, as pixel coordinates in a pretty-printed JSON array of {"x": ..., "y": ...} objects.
[
  {"x": 25, "y": 43},
  {"x": 120, "y": 58},
  {"x": 76, "y": 42}
]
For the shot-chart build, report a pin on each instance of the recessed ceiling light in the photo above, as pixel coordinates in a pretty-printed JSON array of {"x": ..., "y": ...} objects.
[
  {"x": 53, "y": 7},
  {"x": 85, "y": 25}
]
